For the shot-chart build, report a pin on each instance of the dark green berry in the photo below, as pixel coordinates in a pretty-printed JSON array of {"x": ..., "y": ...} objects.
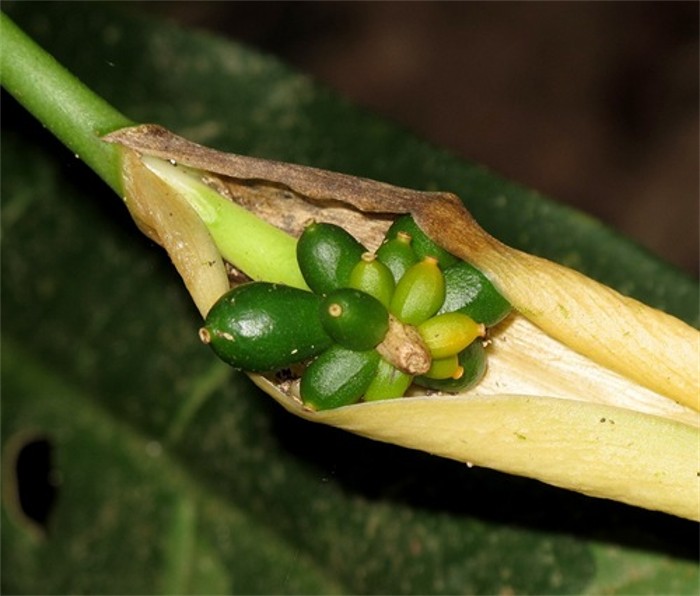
[
  {"x": 261, "y": 326},
  {"x": 354, "y": 319},
  {"x": 467, "y": 290},
  {"x": 338, "y": 377},
  {"x": 327, "y": 254}
]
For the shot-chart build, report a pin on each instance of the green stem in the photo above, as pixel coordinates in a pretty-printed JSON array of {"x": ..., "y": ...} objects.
[
  {"x": 79, "y": 118},
  {"x": 256, "y": 247},
  {"x": 69, "y": 109}
]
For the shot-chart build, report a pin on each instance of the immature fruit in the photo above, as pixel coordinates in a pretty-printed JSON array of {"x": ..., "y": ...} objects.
[
  {"x": 419, "y": 293},
  {"x": 373, "y": 277},
  {"x": 468, "y": 291},
  {"x": 354, "y": 319},
  {"x": 388, "y": 382},
  {"x": 261, "y": 326},
  {"x": 338, "y": 377},
  {"x": 422, "y": 244},
  {"x": 472, "y": 362},
  {"x": 397, "y": 254},
  {"x": 444, "y": 368},
  {"x": 326, "y": 254},
  {"x": 448, "y": 334}
]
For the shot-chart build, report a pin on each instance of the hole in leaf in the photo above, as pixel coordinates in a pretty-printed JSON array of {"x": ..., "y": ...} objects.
[{"x": 36, "y": 480}]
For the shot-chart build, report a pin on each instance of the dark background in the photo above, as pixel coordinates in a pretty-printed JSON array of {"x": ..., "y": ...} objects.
[{"x": 594, "y": 103}]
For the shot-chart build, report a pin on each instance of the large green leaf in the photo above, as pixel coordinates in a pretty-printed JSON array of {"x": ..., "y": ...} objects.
[{"x": 175, "y": 474}]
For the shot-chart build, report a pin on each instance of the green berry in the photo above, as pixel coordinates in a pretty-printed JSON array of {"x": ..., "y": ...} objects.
[
  {"x": 251, "y": 329},
  {"x": 338, "y": 377},
  {"x": 327, "y": 254},
  {"x": 472, "y": 364},
  {"x": 388, "y": 383},
  {"x": 468, "y": 291},
  {"x": 354, "y": 319},
  {"x": 422, "y": 244},
  {"x": 444, "y": 368},
  {"x": 397, "y": 254}
]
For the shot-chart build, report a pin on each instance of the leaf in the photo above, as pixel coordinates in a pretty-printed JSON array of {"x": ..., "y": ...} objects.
[{"x": 174, "y": 474}]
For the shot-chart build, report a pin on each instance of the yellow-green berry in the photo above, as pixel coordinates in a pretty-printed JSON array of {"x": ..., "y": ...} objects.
[
  {"x": 373, "y": 277},
  {"x": 419, "y": 293},
  {"x": 388, "y": 382},
  {"x": 449, "y": 333}
]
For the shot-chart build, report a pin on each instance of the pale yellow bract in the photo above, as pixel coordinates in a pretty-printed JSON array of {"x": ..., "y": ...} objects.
[{"x": 586, "y": 389}]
